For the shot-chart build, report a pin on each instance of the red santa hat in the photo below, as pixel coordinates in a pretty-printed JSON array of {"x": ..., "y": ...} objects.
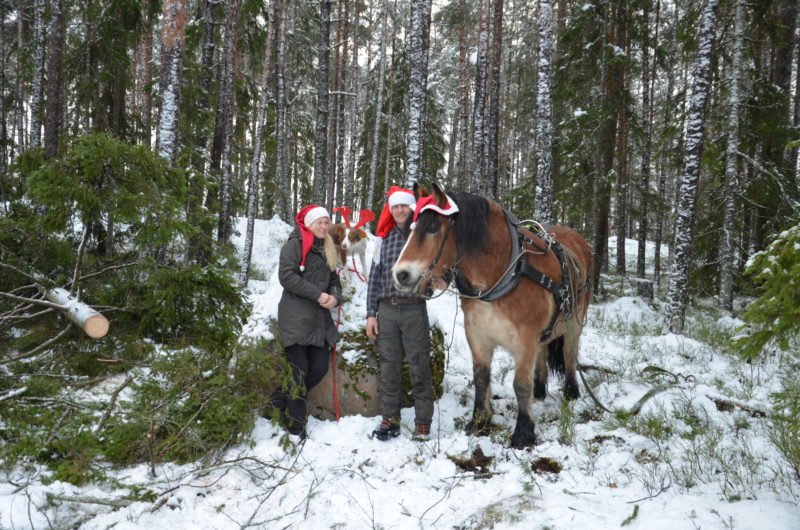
[
  {"x": 395, "y": 196},
  {"x": 304, "y": 219},
  {"x": 431, "y": 203}
]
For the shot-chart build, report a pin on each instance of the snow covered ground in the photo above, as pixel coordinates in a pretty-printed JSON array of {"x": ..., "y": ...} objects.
[{"x": 687, "y": 465}]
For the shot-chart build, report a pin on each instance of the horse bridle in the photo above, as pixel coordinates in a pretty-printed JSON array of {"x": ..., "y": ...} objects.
[{"x": 428, "y": 274}]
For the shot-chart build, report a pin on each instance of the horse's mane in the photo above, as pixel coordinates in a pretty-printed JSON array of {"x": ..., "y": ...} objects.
[{"x": 471, "y": 224}]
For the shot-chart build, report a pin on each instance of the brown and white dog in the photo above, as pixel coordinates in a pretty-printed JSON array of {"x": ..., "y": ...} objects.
[{"x": 351, "y": 240}]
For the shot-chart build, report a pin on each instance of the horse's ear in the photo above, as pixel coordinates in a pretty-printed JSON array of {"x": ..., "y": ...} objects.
[
  {"x": 419, "y": 191},
  {"x": 439, "y": 194}
]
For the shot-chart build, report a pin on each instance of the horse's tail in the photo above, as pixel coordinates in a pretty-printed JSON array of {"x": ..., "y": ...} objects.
[{"x": 555, "y": 355}]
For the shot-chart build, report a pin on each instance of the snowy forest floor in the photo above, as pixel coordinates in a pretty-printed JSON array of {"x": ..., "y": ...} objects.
[{"x": 696, "y": 455}]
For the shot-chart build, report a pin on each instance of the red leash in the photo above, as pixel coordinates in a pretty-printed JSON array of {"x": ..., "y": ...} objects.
[
  {"x": 355, "y": 269},
  {"x": 333, "y": 361}
]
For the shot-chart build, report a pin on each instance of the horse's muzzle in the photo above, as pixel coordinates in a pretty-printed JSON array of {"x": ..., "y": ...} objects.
[{"x": 404, "y": 280}]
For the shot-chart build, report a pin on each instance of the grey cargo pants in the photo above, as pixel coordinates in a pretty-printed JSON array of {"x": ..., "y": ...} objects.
[{"x": 404, "y": 328}]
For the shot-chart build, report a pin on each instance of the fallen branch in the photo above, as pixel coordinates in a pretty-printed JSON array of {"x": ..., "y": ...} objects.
[
  {"x": 726, "y": 405},
  {"x": 14, "y": 393},
  {"x": 114, "y": 503},
  {"x": 113, "y": 401},
  {"x": 60, "y": 423},
  {"x": 90, "y": 321}
]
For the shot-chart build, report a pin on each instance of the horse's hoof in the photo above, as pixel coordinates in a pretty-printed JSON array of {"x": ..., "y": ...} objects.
[
  {"x": 523, "y": 438},
  {"x": 539, "y": 390},
  {"x": 571, "y": 390}
]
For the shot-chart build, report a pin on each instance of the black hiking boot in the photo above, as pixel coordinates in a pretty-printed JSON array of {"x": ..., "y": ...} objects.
[{"x": 389, "y": 428}]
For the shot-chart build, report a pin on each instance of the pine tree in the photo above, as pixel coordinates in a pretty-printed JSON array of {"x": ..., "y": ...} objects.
[
  {"x": 175, "y": 13},
  {"x": 418, "y": 83},
  {"x": 323, "y": 111}
]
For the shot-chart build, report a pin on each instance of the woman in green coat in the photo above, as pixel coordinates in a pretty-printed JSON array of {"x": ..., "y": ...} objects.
[{"x": 311, "y": 287}]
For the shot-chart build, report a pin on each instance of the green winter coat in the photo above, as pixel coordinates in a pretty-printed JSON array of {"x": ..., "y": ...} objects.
[{"x": 300, "y": 318}]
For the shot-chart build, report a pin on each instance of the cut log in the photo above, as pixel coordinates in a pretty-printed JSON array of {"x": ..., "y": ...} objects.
[{"x": 90, "y": 321}]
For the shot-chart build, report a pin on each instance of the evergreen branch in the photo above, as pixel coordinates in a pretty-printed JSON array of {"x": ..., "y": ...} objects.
[
  {"x": 38, "y": 348},
  {"x": 112, "y": 267}
]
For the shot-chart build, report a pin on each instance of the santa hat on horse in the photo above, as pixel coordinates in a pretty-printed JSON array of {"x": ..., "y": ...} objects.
[
  {"x": 304, "y": 219},
  {"x": 395, "y": 196}
]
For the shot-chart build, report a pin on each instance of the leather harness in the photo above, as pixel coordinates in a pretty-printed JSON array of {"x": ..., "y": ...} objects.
[{"x": 519, "y": 267}]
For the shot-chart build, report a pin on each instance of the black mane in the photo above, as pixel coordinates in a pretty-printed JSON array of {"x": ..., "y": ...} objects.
[{"x": 471, "y": 223}]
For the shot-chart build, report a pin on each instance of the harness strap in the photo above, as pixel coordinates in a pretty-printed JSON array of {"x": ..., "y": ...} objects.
[{"x": 505, "y": 285}]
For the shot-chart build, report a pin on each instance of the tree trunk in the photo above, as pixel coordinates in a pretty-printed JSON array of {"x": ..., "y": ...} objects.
[
  {"x": 544, "y": 117},
  {"x": 175, "y": 14},
  {"x": 418, "y": 86},
  {"x": 389, "y": 123},
  {"x": 282, "y": 202},
  {"x": 90, "y": 321},
  {"x": 693, "y": 148},
  {"x": 479, "y": 106},
  {"x": 376, "y": 129},
  {"x": 353, "y": 114},
  {"x": 35, "y": 105},
  {"x": 494, "y": 100},
  {"x": 644, "y": 183},
  {"x": 55, "y": 68},
  {"x": 463, "y": 133},
  {"x": 323, "y": 81},
  {"x": 613, "y": 86},
  {"x": 728, "y": 257},
  {"x": 228, "y": 104},
  {"x": 20, "y": 107},
  {"x": 255, "y": 166}
]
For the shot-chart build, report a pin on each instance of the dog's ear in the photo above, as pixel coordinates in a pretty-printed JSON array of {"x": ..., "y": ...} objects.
[{"x": 419, "y": 191}]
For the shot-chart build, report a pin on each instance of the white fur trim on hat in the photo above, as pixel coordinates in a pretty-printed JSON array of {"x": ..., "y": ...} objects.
[
  {"x": 313, "y": 214},
  {"x": 402, "y": 197}
]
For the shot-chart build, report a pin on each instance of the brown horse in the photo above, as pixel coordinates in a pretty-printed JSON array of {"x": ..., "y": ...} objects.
[{"x": 528, "y": 296}]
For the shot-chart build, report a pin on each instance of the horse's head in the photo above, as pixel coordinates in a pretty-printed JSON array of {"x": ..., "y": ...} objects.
[{"x": 430, "y": 251}]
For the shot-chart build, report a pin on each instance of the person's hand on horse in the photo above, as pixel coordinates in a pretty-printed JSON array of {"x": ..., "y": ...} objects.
[
  {"x": 372, "y": 328},
  {"x": 326, "y": 300}
]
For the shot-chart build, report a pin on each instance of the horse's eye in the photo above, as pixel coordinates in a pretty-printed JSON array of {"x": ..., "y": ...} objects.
[{"x": 433, "y": 228}]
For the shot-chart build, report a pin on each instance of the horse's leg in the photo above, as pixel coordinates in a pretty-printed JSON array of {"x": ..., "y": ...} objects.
[
  {"x": 540, "y": 374},
  {"x": 481, "y": 421},
  {"x": 524, "y": 434},
  {"x": 572, "y": 341}
]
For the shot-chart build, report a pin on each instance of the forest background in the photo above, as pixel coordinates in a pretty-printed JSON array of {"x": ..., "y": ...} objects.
[{"x": 132, "y": 133}]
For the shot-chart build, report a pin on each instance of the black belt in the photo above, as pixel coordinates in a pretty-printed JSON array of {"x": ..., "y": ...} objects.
[{"x": 402, "y": 301}]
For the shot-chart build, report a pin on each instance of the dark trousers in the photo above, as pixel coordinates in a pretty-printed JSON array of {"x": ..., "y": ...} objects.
[
  {"x": 404, "y": 328},
  {"x": 309, "y": 365}
]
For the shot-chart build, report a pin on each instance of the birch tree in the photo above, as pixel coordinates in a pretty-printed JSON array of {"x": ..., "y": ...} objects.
[
  {"x": 36, "y": 98},
  {"x": 727, "y": 247},
  {"x": 693, "y": 148},
  {"x": 353, "y": 114},
  {"x": 479, "y": 104},
  {"x": 228, "y": 109},
  {"x": 544, "y": 117},
  {"x": 174, "y": 16},
  {"x": 282, "y": 207},
  {"x": 418, "y": 79},
  {"x": 258, "y": 141}
]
